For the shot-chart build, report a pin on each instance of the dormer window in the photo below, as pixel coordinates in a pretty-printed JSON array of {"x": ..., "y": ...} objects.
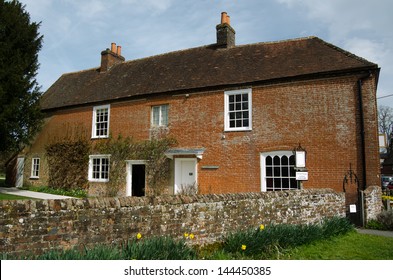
[
  {"x": 100, "y": 127},
  {"x": 159, "y": 116}
]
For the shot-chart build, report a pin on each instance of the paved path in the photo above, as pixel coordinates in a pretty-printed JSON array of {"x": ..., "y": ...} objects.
[
  {"x": 375, "y": 232},
  {"x": 39, "y": 195}
]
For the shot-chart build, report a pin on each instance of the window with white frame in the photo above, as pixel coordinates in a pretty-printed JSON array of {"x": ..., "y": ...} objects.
[
  {"x": 159, "y": 116},
  {"x": 99, "y": 168},
  {"x": 278, "y": 171},
  {"x": 238, "y": 110},
  {"x": 35, "y": 168},
  {"x": 100, "y": 127}
]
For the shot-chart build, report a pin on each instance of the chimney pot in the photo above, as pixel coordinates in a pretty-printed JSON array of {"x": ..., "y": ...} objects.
[
  {"x": 118, "y": 52},
  {"x": 224, "y": 16},
  {"x": 113, "y": 47}
]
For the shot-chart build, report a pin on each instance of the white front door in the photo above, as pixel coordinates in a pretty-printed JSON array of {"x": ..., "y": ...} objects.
[
  {"x": 185, "y": 173},
  {"x": 20, "y": 166}
]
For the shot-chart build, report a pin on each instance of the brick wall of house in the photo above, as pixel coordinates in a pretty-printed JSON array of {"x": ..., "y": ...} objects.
[
  {"x": 35, "y": 226},
  {"x": 322, "y": 115}
]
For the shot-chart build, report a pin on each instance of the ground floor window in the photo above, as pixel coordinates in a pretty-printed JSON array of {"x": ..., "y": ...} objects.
[
  {"x": 99, "y": 168},
  {"x": 35, "y": 168},
  {"x": 278, "y": 171}
]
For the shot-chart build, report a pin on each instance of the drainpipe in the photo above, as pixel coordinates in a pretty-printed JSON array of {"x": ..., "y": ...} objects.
[
  {"x": 362, "y": 132},
  {"x": 363, "y": 147}
]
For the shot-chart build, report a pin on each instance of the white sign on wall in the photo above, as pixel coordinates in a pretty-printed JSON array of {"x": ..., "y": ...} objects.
[{"x": 302, "y": 176}]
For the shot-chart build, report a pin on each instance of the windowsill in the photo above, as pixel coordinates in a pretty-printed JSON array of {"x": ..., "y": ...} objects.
[
  {"x": 100, "y": 137},
  {"x": 238, "y": 130},
  {"x": 98, "y": 181},
  {"x": 34, "y": 178}
]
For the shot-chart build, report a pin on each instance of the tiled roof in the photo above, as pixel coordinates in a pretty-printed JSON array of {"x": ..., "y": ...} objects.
[{"x": 202, "y": 67}]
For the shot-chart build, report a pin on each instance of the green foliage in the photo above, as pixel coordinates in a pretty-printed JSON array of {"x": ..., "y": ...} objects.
[
  {"x": 158, "y": 248},
  {"x": 384, "y": 221},
  {"x": 275, "y": 239},
  {"x": 81, "y": 193},
  {"x": 68, "y": 164},
  {"x": 152, "y": 151},
  {"x": 20, "y": 42}
]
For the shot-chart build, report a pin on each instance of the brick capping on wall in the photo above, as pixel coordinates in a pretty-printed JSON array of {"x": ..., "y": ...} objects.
[{"x": 35, "y": 226}]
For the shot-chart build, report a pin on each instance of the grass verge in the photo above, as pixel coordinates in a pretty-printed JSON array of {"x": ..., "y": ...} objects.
[
  {"x": 4, "y": 196},
  {"x": 352, "y": 246}
]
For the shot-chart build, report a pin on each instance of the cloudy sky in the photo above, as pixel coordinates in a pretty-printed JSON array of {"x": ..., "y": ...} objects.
[{"x": 75, "y": 32}]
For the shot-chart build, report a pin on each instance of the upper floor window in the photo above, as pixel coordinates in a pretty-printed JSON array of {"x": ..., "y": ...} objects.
[
  {"x": 99, "y": 168},
  {"x": 35, "y": 168},
  {"x": 101, "y": 121},
  {"x": 159, "y": 116},
  {"x": 238, "y": 110},
  {"x": 278, "y": 171}
]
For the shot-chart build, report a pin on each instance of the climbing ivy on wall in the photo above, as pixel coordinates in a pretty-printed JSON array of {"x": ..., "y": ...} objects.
[
  {"x": 152, "y": 151},
  {"x": 68, "y": 163}
]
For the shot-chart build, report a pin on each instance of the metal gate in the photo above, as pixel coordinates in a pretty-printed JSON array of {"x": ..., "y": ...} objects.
[{"x": 354, "y": 201}]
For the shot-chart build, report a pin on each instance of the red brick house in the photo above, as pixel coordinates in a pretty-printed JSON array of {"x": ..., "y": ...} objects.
[{"x": 237, "y": 112}]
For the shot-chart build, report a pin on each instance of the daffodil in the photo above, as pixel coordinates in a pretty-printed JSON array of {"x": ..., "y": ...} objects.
[
  {"x": 139, "y": 236},
  {"x": 186, "y": 235},
  {"x": 192, "y": 236},
  {"x": 244, "y": 247},
  {"x": 261, "y": 227}
]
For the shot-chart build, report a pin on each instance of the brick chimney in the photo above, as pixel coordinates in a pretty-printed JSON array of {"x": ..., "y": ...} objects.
[
  {"x": 111, "y": 57},
  {"x": 225, "y": 33}
]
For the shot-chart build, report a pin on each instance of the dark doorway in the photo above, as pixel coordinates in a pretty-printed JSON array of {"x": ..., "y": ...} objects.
[{"x": 138, "y": 180}]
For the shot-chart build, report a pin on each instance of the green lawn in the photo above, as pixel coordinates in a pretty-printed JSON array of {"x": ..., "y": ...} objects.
[
  {"x": 4, "y": 196},
  {"x": 353, "y": 246}
]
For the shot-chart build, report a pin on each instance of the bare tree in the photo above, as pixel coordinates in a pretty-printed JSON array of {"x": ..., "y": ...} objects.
[{"x": 385, "y": 122}]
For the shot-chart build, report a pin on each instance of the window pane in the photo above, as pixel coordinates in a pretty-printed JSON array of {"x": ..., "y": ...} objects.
[
  {"x": 276, "y": 160},
  {"x": 232, "y": 124},
  {"x": 164, "y": 115},
  {"x": 277, "y": 172},
  {"x": 292, "y": 160},
  {"x": 245, "y": 97},
  {"x": 269, "y": 171},
  {"x": 269, "y": 160},
  {"x": 238, "y": 98},
  {"x": 156, "y": 116},
  {"x": 231, "y": 98},
  {"x": 238, "y": 123},
  {"x": 245, "y": 123}
]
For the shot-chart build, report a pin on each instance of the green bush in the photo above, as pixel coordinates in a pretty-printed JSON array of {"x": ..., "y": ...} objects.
[
  {"x": 386, "y": 218},
  {"x": 158, "y": 248},
  {"x": 81, "y": 193},
  {"x": 274, "y": 239}
]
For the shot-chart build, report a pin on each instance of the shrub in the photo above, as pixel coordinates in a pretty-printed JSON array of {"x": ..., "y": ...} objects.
[
  {"x": 386, "y": 219},
  {"x": 273, "y": 239},
  {"x": 158, "y": 248}
]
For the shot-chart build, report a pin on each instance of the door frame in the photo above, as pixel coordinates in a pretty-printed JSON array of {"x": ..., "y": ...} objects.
[
  {"x": 129, "y": 164},
  {"x": 178, "y": 175}
]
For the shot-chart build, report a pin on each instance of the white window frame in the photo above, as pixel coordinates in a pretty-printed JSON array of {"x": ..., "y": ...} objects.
[
  {"x": 35, "y": 168},
  {"x": 263, "y": 168},
  {"x": 227, "y": 111},
  {"x": 91, "y": 166},
  {"x": 94, "y": 122},
  {"x": 160, "y": 117}
]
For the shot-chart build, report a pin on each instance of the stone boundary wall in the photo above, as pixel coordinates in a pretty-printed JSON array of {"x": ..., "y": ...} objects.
[
  {"x": 35, "y": 226},
  {"x": 372, "y": 203}
]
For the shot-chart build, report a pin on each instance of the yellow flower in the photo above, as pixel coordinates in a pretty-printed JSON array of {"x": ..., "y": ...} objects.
[
  {"x": 192, "y": 236},
  {"x": 186, "y": 235},
  {"x": 244, "y": 247},
  {"x": 261, "y": 227},
  {"x": 139, "y": 236}
]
